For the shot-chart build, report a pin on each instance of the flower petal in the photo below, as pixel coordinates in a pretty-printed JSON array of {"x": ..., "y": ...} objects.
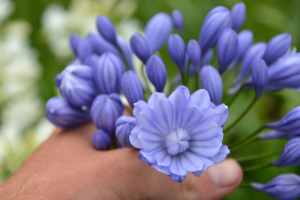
[
  {"x": 210, "y": 114},
  {"x": 200, "y": 98},
  {"x": 208, "y": 148},
  {"x": 223, "y": 113},
  {"x": 162, "y": 169},
  {"x": 153, "y": 99},
  {"x": 191, "y": 116},
  {"x": 147, "y": 122},
  {"x": 138, "y": 107},
  {"x": 163, "y": 158},
  {"x": 176, "y": 167},
  {"x": 204, "y": 131},
  {"x": 221, "y": 155},
  {"x": 191, "y": 162},
  {"x": 163, "y": 113},
  {"x": 151, "y": 141},
  {"x": 133, "y": 138},
  {"x": 179, "y": 101}
]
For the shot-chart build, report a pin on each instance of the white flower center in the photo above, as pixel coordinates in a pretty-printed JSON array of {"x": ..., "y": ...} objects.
[{"x": 177, "y": 141}]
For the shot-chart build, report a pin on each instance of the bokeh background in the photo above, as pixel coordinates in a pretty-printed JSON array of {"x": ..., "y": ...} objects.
[{"x": 34, "y": 48}]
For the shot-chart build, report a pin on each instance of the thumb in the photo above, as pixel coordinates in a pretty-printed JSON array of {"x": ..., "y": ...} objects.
[{"x": 219, "y": 180}]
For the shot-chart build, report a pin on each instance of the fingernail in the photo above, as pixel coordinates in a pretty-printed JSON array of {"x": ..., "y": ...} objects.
[{"x": 225, "y": 174}]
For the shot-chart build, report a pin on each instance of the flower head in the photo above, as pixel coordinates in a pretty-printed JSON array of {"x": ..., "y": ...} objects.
[
  {"x": 290, "y": 155},
  {"x": 156, "y": 72},
  {"x": 139, "y": 47},
  {"x": 238, "y": 15},
  {"x": 259, "y": 77},
  {"x": 157, "y": 31},
  {"x": 177, "y": 51},
  {"x": 194, "y": 52},
  {"x": 101, "y": 140},
  {"x": 107, "y": 29},
  {"x": 65, "y": 116},
  {"x": 245, "y": 41},
  {"x": 283, "y": 187},
  {"x": 105, "y": 111},
  {"x": 178, "y": 134},
  {"x": 107, "y": 73},
  {"x": 77, "y": 86},
  {"x": 178, "y": 20},
  {"x": 124, "y": 126}
]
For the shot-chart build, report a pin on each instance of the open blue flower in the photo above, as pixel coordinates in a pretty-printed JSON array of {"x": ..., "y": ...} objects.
[{"x": 179, "y": 134}]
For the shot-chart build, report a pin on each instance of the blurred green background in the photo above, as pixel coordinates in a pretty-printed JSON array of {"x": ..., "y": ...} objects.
[{"x": 34, "y": 48}]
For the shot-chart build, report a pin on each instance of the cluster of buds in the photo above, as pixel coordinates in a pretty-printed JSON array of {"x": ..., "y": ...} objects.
[{"x": 183, "y": 132}]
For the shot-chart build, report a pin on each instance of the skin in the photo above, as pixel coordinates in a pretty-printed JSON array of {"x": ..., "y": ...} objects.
[{"x": 66, "y": 166}]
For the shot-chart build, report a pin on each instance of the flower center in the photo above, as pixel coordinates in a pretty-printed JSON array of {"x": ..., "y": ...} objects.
[{"x": 177, "y": 141}]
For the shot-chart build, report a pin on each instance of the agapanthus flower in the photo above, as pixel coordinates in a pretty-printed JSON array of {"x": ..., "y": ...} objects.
[
  {"x": 283, "y": 187},
  {"x": 290, "y": 155},
  {"x": 276, "y": 135},
  {"x": 65, "y": 116},
  {"x": 101, "y": 140},
  {"x": 124, "y": 48},
  {"x": 194, "y": 52},
  {"x": 260, "y": 75},
  {"x": 74, "y": 40},
  {"x": 245, "y": 41},
  {"x": 107, "y": 29},
  {"x": 177, "y": 52},
  {"x": 91, "y": 60},
  {"x": 238, "y": 15},
  {"x": 179, "y": 134},
  {"x": 139, "y": 47},
  {"x": 178, "y": 20},
  {"x": 156, "y": 72},
  {"x": 100, "y": 45},
  {"x": 124, "y": 126}
]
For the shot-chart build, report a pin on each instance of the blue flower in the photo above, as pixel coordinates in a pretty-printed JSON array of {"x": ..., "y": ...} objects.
[
  {"x": 139, "y": 47},
  {"x": 100, "y": 45},
  {"x": 124, "y": 126},
  {"x": 276, "y": 135},
  {"x": 105, "y": 111},
  {"x": 107, "y": 29},
  {"x": 259, "y": 76},
  {"x": 177, "y": 51},
  {"x": 212, "y": 82},
  {"x": 126, "y": 52},
  {"x": 238, "y": 15},
  {"x": 156, "y": 72},
  {"x": 254, "y": 53},
  {"x": 285, "y": 74},
  {"x": 245, "y": 41},
  {"x": 289, "y": 123},
  {"x": 63, "y": 115},
  {"x": 178, "y": 134},
  {"x": 74, "y": 40},
  {"x": 227, "y": 48},
  {"x": 194, "y": 52},
  {"x": 157, "y": 31},
  {"x": 216, "y": 21},
  {"x": 283, "y": 187},
  {"x": 132, "y": 87},
  {"x": 290, "y": 155},
  {"x": 107, "y": 73},
  {"x": 277, "y": 47},
  {"x": 84, "y": 49},
  {"x": 178, "y": 20},
  {"x": 101, "y": 140},
  {"x": 77, "y": 86}
]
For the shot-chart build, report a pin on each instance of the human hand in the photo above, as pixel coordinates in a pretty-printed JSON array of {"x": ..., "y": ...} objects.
[{"x": 66, "y": 166}]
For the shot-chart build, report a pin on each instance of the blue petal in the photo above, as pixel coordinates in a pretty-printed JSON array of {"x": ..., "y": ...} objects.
[
  {"x": 191, "y": 162},
  {"x": 204, "y": 131},
  {"x": 163, "y": 113},
  {"x": 133, "y": 138},
  {"x": 125, "y": 49},
  {"x": 184, "y": 90},
  {"x": 208, "y": 148},
  {"x": 221, "y": 155},
  {"x": 154, "y": 97},
  {"x": 151, "y": 142},
  {"x": 163, "y": 158},
  {"x": 199, "y": 98},
  {"x": 223, "y": 113},
  {"x": 176, "y": 167},
  {"x": 191, "y": 116},
  {"x": 148, "y": 123},
  {"x": 179, "y": 101},
  {"x": 138, "y": 107}
]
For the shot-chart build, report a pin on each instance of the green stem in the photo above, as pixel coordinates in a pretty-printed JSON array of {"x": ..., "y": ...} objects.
[
  {"x": 247, "y": 169},
  {"x": 259, "y": 156},
  {"x": 247, "y": 140},
  {"x": 245, "y": 185},
  {"x": 241, "y": 117},
  {"x": 147, "y": 86},
  {"x": 236, "y": 95},
  {"x": 123, "y": 58},
  {"x": 197, "y": 81}
]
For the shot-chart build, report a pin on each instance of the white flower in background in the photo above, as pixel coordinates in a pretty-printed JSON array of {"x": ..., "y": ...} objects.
[{"x": 6, "y": 8}]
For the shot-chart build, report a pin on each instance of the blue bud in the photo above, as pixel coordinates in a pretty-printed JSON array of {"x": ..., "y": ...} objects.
[
  {"x": 194, "y": 52},
  {"x": 212, "y": 82},
  {"x": 101, "y": 140},
  {"x": 125, "y": 49},
  {"x": 77, "y": 86},
  {"x": 84, "y": 49},
  {"x": 107, "y": 73},
  {"x": 254, "y": 53},
  {"x": 157, "y": 31},
  {"x": 276, "y": 135},
  {"x": 289, "y": 123},
  {"x": 132, "y": 88},
  {"x": 124, "y": 126},
  {"x": 277, "y": 47},
  {"x": 74, "y": 40},
  {"x": 156, "y": 72},
  {"x": 91, "y": 60},
  {"x": 216, "y": 21},
  {"x": 178, "y": 20},
  {"x": 63, "y": 115},
  {"x": 260, "y": 75},
  {"x": 100, "y": 45},
  {"x": 177, "y": 51},
  {"x": 139, "y": 47},
  {"x": 238, "y": 15},
  {"x": 290, "y": 155},
  {"x": 283, "y": 187},
  {"x": 245, "y": 41},
  {"x": 227, "y": 48},
  {"x": 207, "y": 57},
  {"x": 285, "y": 74},
  {"x": 60, "y": 76},
  {"x": 105, "y": 111},
  {"x": 107, "y": 29}
]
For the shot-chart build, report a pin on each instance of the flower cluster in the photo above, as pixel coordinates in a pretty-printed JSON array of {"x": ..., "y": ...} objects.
[{"x": 182, "y": 132}]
